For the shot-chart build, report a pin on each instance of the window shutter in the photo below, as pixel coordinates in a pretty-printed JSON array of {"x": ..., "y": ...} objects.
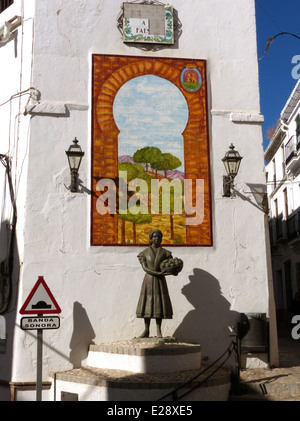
[{"x": 4, "y": 4}]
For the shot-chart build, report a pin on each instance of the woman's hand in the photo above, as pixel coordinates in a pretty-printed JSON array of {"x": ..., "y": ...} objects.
[{"x": 165, "y": 272}]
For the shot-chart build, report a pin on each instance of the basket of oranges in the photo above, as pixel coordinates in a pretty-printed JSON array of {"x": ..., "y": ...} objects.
[{"x": 173, "y": 266}]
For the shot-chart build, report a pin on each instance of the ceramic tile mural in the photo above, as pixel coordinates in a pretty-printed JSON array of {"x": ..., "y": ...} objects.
[{"x": 149, "y": 125}]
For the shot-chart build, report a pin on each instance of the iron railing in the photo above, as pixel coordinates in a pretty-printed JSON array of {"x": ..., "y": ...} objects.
[
  {"x": 193, "y": 384},
  {"x": 284, "y": 230},
  {"x": 293, "y": 225},
  {"x": 291, "y": 148},
  {"x": 4, "y": 4}
]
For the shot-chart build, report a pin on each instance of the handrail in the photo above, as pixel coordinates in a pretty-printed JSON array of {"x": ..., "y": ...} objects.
[{"x": 173, "y": 393}]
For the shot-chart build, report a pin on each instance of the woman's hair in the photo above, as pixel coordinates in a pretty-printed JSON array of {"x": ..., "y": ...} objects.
[{"x": 152, "y": 232}]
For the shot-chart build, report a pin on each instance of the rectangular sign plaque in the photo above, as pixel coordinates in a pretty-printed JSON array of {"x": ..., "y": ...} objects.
[
  {"x": 148, "y": 23},
  {"x": 33, "y": 323}
]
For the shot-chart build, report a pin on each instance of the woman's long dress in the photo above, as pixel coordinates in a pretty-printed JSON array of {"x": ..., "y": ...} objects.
[{"x": 154, "y": 300}]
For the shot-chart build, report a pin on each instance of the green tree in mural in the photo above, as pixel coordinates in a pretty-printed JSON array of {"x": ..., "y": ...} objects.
[
  {"x": 147, "y": 155},
  {"x": 171, "y": 162},
  {"x": 135, "y": 219},
  {"x": 166, "y": 162},
  {"x": 158, "y": 165},
  {"x": 135, "y": 171}
]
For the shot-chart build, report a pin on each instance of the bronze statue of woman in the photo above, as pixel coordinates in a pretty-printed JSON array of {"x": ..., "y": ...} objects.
[{"x": 154, "y": 301}]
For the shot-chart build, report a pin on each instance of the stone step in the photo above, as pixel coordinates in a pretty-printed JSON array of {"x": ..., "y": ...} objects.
[
  {"x": 154, "y": 368},
  {"x": 94, "y": 384},
  {"x": 145, "y": 356}
]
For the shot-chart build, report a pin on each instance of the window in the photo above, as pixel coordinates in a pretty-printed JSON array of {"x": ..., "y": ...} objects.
[
  {"x": 276, "y": 208},
  {"x": 274, "y": 174},
  {"x": 4, "y": 4},
  {"x": 286, "y": 205},
  {"x": 283, "y": 161},
  {"x": 298, "y": 129}
]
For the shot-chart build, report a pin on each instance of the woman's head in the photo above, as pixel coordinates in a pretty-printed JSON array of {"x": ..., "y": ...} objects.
[{"x": 155, "y": 234}]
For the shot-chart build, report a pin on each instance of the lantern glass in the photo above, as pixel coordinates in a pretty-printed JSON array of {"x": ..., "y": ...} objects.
[
  {"x": 74, "y": 154},
  {"x": 74, "y": 161},
  {"x": 232, "y": 161}
]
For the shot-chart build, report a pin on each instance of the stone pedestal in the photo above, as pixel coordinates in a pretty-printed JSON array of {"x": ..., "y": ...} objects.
[
  {"x": 141, "y": 370},
  {"x": 145, "y": 357}
]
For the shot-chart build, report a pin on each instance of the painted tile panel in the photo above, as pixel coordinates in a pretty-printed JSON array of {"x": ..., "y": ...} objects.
[{"x": 149, "y": 122}]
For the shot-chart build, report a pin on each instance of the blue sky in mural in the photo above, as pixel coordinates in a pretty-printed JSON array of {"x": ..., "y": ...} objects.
[
  {"x": 150, "y": 111},
  {"x": 278, "y": 73}
]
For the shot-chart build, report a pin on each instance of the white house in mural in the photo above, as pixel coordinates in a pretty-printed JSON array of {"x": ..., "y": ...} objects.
[
  {"x": 46, "y": 100},
  {"x": 283, "y": 177}
]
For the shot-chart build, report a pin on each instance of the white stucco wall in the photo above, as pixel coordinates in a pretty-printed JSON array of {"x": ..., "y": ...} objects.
[
  {"x": 15, "y": 73},
  {"x": 97, "y": 287},
  {"x": 15, "y": 76}
]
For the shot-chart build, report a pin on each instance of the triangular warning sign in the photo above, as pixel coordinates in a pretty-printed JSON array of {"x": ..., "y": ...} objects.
[{"x": 40, "y": 300}]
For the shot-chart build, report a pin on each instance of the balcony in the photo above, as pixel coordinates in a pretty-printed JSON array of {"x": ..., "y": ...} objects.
[
  {"x": 292, "y": 155},
  {"x": 293, "y": 226},
  {"x": 293, "y": 231},
  {"x": 286, "y": 232},
  {"x": 278, "y": 230}
]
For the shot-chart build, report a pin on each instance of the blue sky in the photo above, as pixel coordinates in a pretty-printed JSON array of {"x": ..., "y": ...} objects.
[{"x": 276, "y": 71}]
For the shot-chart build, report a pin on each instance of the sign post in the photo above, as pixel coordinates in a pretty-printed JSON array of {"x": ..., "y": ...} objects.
[
  {"x": 40, "y": 301},
  {"x": 39, "y": 365}
]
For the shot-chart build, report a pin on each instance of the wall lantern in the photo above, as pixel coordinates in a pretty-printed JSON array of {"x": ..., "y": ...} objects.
[
  {"x": 74, "y": 154},
  {"x": 231, "y": 160},
  {"x": 7, "y": 28}
]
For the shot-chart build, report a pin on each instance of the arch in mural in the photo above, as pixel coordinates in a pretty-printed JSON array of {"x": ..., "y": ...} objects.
[{"x": 110, "y": 73}]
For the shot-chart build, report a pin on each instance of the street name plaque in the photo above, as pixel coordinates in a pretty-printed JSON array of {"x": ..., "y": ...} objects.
[{"x": 32, "y": 323}]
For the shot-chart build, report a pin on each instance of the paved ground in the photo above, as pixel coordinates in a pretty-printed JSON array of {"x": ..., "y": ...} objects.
[
  {"x": 277, "y": 384},
  {"x": 289, "y": 349}
]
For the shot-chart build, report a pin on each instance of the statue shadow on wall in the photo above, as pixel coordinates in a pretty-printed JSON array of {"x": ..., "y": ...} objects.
[
  {"x": 82, "y": 337},
  {"x": 208, "y": 324}
]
